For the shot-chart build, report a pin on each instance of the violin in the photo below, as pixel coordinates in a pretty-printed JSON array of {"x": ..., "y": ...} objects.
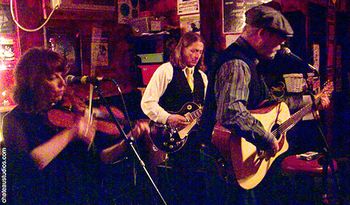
[{"x": 64, "y": 116}]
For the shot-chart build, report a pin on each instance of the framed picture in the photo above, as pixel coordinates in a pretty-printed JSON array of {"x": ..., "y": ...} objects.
[
  {"x": 99, "y": 53},
  {"x": 233, "y": 16},
  {"x": 99, "y": 49},
  {"x": 187, "y": 7},
  {"x": 67, "y": 43},
  {"x": 6, "y": 23},
  {"x": 190, "y": 23}
]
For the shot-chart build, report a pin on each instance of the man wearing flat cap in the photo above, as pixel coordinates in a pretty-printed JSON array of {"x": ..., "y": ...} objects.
[{"x": 237, "y": 85}]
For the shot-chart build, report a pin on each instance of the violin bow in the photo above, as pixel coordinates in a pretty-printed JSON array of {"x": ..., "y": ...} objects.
[{"x": 90, "y": 115}]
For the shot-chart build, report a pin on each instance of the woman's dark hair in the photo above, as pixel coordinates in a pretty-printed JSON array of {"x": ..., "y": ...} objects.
[
  {"x": 186, "y": 40},
  {"x": 33, "y": 68}
]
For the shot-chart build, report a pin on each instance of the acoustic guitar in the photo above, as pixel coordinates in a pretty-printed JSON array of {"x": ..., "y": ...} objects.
[
  {"x": 170, "y": 139},
  {"x": 246, "y": 163}
]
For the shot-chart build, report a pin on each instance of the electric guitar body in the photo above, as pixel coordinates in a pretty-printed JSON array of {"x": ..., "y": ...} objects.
[{"x": 170, "y": 139}]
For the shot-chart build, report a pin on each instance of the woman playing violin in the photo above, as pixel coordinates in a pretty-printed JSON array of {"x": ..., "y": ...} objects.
[{"x": 46, "y": 164}]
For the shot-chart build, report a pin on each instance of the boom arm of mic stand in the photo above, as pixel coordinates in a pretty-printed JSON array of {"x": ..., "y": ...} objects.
[{"x": 129, "y": 141}]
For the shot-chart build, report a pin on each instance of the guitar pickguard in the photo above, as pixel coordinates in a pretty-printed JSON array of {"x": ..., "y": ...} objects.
[{"x": 170, "y": 139}]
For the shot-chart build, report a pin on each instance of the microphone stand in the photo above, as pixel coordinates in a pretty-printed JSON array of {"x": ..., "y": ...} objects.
[
  {"x": 130, "y": 140},
  {"x": 326, "y": 160}
]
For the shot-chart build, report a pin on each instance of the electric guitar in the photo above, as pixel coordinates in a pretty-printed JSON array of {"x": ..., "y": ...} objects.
[
  {"x": 246, "y": 163},
  {"x": 170, "y": 139}
]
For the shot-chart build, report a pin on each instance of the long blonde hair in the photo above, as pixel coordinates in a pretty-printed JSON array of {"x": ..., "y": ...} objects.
[{"x": 186, "y": 40}]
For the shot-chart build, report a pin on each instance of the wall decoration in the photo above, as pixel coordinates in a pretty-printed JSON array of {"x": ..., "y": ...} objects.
[
  {"x": 127, "y": 9},
  {"x": 190, "y": 23},
  {"x": 316, "y": 55},
  {"x": 187, "y": 7},
  {"x": 6, "y": 23},
  {"x": 9, "y": 50},
  {"x": 99, "y": 53},
  {"x": 233, "y": 16},
  {"x": 99, "y": 49},
  {"x": 7, "y": 53},
  {"x": 67, "y": 43}
]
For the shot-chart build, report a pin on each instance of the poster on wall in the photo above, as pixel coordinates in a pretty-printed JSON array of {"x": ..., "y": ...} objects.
[
  {"x": 187, "y": 7},
  {"x": 233, "y": 19},
  {"x": 99, "y": 53},
  {"x": 99, "y": 49},
  {"x": 7, "y": 53},
  {"x": 190, "y": 23},
  {"x": 316, "y": 55},
  {"x": 6, "y": 23},
  {"x": 233, "y": 16}
]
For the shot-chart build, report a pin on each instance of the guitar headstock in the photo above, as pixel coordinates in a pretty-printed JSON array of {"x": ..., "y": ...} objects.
[{"x": 328, "y": 88}]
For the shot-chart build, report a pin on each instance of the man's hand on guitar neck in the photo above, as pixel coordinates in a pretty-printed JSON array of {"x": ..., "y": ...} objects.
[
  {"x": 324, "y": 102},
  {"x": 177, "y": 121}
]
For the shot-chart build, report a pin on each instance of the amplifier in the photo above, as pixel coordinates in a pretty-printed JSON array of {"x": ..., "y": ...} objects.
[
  {"x": 147, "y": 72},
  {"x": 151, "y": 58},
  {"x": 145, "y": 25}
]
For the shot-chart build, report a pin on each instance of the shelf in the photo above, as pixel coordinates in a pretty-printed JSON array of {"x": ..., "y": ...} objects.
[{"x": 76, "y": 11}]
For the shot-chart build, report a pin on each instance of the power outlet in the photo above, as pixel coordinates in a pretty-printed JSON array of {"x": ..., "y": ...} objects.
[{"x": 55, "y": 3}]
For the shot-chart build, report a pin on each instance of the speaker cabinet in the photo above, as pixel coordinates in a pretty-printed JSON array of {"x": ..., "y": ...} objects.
[{"x": 127, "y": 9}]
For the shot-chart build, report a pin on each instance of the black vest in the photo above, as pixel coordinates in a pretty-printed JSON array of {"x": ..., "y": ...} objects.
[
  {"x": 178, "y": 92},
  {"x": 258, "y": 90},
  {"x": 257, "y": 87}
]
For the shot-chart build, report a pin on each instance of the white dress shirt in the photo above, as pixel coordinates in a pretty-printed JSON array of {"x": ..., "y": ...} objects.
[{"x": 156, "y": 88}]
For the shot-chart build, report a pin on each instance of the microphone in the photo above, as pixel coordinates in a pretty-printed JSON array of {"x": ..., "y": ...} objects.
[
  {"x": 287, "y": 52},
  {"x": 71, "y": 79}
]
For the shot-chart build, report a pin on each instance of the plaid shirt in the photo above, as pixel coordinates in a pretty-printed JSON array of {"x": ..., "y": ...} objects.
[{"x": 232, "y": 92}]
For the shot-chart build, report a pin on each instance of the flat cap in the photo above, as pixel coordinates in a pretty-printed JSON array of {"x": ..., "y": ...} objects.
[{"x": 269, "y": 18}]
